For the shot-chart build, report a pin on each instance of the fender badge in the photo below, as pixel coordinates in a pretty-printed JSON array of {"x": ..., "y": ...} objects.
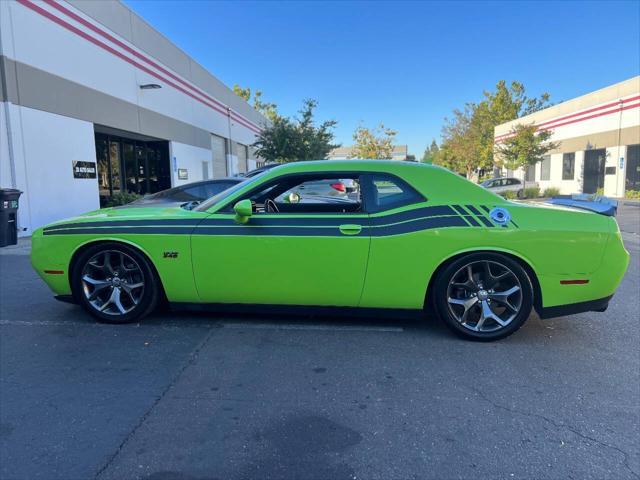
[
  {"x": 170, "y": 255},
  {"x": 500, "y": 215}
]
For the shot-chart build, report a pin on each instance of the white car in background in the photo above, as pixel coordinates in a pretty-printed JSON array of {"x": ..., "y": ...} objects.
[{"x": 508, "y": 184}]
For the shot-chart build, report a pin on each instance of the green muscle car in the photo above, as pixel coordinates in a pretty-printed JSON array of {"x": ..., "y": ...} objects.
[{"x": 406, "y": 238}]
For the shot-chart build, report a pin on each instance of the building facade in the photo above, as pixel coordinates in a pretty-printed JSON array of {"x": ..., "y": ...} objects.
[
  {"x": 400, "y": 152},
  {"x": 599, "y": 142},
  {"x": 95, "y": 102}
]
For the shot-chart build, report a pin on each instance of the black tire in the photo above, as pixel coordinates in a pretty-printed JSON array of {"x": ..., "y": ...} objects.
[
  {"x": 454, "y": 301},
  {"x": 520, "y": 194},
  {"x": 135, "y": 269}
]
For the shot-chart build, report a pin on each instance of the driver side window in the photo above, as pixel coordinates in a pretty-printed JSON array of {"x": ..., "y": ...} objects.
[{"x": 309, "y": 194}]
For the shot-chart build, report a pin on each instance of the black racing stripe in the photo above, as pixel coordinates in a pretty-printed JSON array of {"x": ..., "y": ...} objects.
[
  {"x": 277, "y": 231},
  {"x": 228, "y": 230},
  {"x": 485, "y": 208},
  {"x": 256, "y": 220},
  {"x": 473, "y": 210},
  {"x": 436, "y": 210},
  {"x": 156, "y": 230},
  {"x": 485, "y": 221},
  {"x": 515, "y": 224},
  {"x": 472, "y": 220},
  {"x": 419, "y": 225},
  {"x": 460, "y": 210},
  {"x": 383, "y": 231},
  {"x": 127, "y": 223}
]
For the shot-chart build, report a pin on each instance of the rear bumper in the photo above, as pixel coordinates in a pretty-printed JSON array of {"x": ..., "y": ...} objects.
[{"x": 599, "y": 305}]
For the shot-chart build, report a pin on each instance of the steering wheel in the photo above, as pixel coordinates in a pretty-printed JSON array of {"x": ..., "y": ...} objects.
[{"x": 270, "y": 206}]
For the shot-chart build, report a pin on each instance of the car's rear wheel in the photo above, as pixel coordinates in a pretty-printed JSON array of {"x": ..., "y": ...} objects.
[
  {"x": 114, "y": 283},
  {"x": 483, "y": 296},
  {"x": 520, "y": 193}
]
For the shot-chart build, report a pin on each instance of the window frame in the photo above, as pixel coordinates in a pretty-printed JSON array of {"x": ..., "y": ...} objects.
[{"x": 366, "y": 184}]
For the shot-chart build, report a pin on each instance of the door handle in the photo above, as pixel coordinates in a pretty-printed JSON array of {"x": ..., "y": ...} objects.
[{"x": 350, "y": 229}]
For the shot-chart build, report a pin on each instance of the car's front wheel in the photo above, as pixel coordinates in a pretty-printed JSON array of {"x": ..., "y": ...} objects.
[
  {"x": 483, "y": 296},
  {"x": 114, "y": 283}
]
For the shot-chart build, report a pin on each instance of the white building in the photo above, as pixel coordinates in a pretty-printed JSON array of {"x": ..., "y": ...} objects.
[
  {"x": 599, "y": 137},
  {"x": 89, "y": 89}
]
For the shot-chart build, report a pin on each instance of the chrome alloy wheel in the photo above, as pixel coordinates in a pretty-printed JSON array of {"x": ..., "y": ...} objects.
[
  {"x": 484, "y": 296},
  {"x": 112, "y": 282}
]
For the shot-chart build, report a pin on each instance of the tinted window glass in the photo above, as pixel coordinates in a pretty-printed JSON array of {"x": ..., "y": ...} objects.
[
  {"x": 568, "y": 166},
  {"x": 388, "y": 192},
  {"x": 545, "y": 168},
  {"x": 315, "y": 195}
]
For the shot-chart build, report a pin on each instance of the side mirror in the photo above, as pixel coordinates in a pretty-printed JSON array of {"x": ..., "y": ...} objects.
[{"x": 243, "y": 210}]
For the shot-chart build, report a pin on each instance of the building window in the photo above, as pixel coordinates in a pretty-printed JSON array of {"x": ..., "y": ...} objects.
[
  {"x": 632, "y": 180},
  {"x": 545, "y": 168},
  {"x": 568, "y": 166},
  {"x": 131, "y": 165},
  {"x": 530, "y": 173}
]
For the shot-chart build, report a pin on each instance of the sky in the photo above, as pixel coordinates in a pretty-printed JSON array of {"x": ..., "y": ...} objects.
[{"x": 405, "y": 64}]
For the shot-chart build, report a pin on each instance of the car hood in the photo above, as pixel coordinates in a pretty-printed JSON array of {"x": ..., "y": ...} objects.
[{"x": 131, "y": 212}]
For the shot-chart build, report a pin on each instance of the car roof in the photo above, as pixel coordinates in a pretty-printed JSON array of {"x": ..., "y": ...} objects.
[{"x": 349, "y": 165}]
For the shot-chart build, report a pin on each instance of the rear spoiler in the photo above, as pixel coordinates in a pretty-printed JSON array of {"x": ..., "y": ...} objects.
[{"x": 593, "y": 203}]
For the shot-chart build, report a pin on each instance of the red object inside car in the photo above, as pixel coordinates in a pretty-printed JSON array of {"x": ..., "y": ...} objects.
[{"x": 339, "y": 186}]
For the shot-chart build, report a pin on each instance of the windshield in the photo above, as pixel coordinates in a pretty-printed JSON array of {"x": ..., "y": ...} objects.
[{"x": 207, "y": 204}]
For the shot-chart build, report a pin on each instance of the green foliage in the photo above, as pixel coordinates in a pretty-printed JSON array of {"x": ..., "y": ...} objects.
[
  {"x": 509, "y": 195},
  {"x": 531, "y": 192},
  {"x": 551, "y": 192},
  {"x": 600, "y": 192},
  {"x": 526, "y": 146},
  {"x": 269, "y": 110},
  {"x": 632, "y": 194},
  {"x": 121, "y": 198},
  {"x": 373, "y": 143},
  {"x": 292, "y": 140},
  {"x": 430, "y": 153},
  {"x": 468, "y": 138}
]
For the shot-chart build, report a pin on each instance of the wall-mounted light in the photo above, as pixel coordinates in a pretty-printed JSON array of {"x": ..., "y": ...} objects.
[{"x": 150, "y": 86}]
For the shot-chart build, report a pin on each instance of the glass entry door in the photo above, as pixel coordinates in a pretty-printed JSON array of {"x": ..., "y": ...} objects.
[
  {"x": 126, "y": 165},
  {"x": 594, "y": 161}
]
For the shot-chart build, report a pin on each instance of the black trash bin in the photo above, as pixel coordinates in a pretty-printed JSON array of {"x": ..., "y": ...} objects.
[{"x": 9, "y": 216}]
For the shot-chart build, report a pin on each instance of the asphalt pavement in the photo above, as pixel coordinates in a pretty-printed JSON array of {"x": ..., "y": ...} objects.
[{"x": 200, "y": 397}]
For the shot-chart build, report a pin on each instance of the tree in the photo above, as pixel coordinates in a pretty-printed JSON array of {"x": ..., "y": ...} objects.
[
  {"x": 376, "y": 143},
  {"x": 460, "y": 145},
  {"x": 468, "y": 138},
  {"x": 525, "y": 146},
  {"x": 430, "y": 152},
  {"x": 269, "y": 110},
  {"x": 292, "y": 140}
]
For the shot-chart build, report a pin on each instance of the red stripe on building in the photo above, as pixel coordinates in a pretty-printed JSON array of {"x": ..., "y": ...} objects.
[
  {"x": 581, "y": 119},
  {"x": 80, "y": 33},
  {"x": 142, "y": 57}
]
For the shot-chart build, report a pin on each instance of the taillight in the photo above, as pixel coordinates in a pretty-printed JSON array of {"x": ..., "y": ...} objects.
[{"x": 339, "y": 186}]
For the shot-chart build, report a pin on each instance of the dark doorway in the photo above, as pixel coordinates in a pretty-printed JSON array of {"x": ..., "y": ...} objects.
[
  {"x": 134, "y": 166},
  {"x": 594, "y": 161},
  {"x": 633, "y": 168}
]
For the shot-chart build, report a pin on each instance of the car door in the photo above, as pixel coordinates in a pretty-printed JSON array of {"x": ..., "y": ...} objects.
[
  {"x": 500, "y": 186},
  {"x": 312, "y": 250}
]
